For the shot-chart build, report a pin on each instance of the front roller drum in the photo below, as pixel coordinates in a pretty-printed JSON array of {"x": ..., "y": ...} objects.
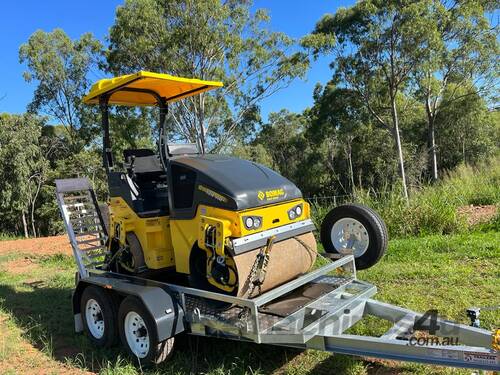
[{"x": 288, "y": 259}]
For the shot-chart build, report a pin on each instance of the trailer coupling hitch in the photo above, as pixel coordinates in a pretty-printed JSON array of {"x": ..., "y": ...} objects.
[{"x": 474, "y": 312}]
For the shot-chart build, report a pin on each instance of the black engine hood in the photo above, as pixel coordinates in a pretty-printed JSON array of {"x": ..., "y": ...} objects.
[{"x": 237, "y": 184}]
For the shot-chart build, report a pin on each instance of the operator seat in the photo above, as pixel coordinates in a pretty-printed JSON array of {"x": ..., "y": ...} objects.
[{"x": 147, "y": 180}]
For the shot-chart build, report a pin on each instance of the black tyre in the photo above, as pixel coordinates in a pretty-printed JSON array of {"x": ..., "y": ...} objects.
[
  {"x": 138, "y": 334},
  {"x": 356, "y": 227},
  {"x": 98, "y": 312}
]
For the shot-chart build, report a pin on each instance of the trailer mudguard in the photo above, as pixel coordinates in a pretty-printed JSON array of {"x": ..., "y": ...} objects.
[{"x": 158, "y": 299}]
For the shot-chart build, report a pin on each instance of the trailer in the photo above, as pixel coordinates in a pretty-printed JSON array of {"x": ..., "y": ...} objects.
[{"x": 313, "y": 311}]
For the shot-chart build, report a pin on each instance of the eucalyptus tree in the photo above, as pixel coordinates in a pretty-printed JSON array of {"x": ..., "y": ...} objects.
[
  {"x": 376, "y": 45},
  {"x": 213, "y": 40},
  {"x": 60, "y": 68},
  {"x": 23, "y": 170},
  {"x": 461, "y": 63}
]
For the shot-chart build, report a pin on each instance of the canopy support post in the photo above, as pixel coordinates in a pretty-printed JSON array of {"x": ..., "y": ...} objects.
[
  {"x": 107, "y": 154},
  {"x": 162, "y": 144}
]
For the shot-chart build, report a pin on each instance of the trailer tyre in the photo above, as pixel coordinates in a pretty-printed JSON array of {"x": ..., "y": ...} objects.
[
  {"x": 99, "y": 315},
  {"x": 139, "y": 335},
  {"x": 356, "y": 227}
]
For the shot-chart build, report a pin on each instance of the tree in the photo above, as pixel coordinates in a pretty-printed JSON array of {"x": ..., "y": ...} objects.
[
  {"x": 466, "y": 130},
  {"x": 355, "y": 153},
  {"x": 465, "y": 57},
  {"x": 282, "y": 136},
  {"x": 23, "y": 169},
  {"x": 60, "y": 66},
  {"x": 376, "y": 46},
  {"x": 211, "y": 40}
]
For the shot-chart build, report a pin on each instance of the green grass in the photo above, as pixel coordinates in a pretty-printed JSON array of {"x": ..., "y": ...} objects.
[
  {"x": 446, "y": 272},
  {"x": 8, "y": 236},
  {"x": 432, "y": 209}
]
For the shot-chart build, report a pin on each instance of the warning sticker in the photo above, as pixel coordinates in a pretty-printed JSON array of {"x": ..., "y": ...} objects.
[
  {"x": 443, "y": 353},
  {"x": 481, "y": 358}
]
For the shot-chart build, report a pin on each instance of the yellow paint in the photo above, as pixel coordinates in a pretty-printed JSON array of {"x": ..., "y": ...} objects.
[
  {"x": 495, "y": 343},
  {"x": 270, "y": 195},
  {"x": 168, "y": 242},
  {"x": 233, "y": 278},
  {"x": 153, "y": 233},
  {"x": 223, "y": 232},
  {"x": 185, "y": 233},
  {"x": 166, "y": 86}
]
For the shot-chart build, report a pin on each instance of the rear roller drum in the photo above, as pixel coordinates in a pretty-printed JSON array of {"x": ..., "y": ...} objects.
[{"x": 356, "y": 228}]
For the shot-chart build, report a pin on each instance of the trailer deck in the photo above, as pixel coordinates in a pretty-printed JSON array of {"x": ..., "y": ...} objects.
[{"x": 313, "y": 311}]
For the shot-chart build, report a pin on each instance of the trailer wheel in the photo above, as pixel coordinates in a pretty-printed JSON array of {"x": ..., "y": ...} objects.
[
  {"x": 139, "y": 335},
  {"x": 98, "y": 314},
  {"x": 357, "y": 228}
]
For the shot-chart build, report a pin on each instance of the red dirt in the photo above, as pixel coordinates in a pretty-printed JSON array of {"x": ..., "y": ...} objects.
[
  {"x": 37, "y": 246},
  {"x": 19, "y": 266},
  {"x": 478, "y": 214}
]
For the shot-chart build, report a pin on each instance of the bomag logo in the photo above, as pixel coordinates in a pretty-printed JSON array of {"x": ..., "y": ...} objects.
[{"x": 271, "y": 194}]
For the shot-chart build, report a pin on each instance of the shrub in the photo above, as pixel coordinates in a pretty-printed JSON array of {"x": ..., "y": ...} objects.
[{"x": 432, "y": 209}]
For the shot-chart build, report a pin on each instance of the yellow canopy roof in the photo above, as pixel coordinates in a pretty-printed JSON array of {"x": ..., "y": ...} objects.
[{"x": 168, "y": 87}]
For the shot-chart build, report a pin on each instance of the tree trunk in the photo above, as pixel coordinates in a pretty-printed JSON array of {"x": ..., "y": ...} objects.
[
  {"x": 25, "y": 225},
  {"x": 399, "y": 149},
  {"x": 33, "y": 229},
  {"x": 431, "y": 139},
  {"x": 432, "y": 149},
  {"x": 463, "y": 151},
  {"x": 351, "y": 170}
]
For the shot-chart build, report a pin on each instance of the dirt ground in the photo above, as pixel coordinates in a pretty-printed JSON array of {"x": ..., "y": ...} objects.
[
  {"x": 29, "y": 359},
  {"x": 38, "y": 246},
  {"x": 478, "y": 214}
]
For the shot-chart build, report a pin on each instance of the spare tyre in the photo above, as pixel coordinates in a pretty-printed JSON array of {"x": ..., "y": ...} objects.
[{"x": 356, "y": 228}]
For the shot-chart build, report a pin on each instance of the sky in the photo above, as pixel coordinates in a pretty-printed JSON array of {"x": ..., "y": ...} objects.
[{"x": 294, "y": 17}]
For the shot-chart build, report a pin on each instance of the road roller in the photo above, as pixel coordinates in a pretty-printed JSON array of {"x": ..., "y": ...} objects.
[{"x": 228, "y": 225}]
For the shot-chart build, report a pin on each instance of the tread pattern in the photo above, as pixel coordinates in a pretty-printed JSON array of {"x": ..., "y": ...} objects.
[{"x": 373, "y": 223}]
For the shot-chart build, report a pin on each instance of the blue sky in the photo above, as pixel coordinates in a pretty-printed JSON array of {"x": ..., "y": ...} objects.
[{"x": 22, "y": 17}]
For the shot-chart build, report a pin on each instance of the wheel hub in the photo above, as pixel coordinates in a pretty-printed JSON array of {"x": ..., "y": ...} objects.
[
  {"x": 137, "y": 334},
  {"x": 349, "y": 234},
  {"x": 94, "y": 318}
]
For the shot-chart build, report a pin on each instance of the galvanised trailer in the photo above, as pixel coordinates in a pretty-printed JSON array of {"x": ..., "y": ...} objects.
[{"x": 312, "y": 311}]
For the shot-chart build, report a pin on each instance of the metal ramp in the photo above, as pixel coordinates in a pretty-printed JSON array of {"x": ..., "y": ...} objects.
[{"x": 84, "y": 223}]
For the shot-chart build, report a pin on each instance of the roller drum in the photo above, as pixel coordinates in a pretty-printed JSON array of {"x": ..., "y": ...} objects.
[{"x": 288, "y": 259}]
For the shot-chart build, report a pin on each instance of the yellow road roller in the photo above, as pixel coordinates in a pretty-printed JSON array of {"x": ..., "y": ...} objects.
[{"x": 230, "y": 225}]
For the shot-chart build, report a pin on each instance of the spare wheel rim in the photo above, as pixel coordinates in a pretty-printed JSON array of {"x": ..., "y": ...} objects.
[
  {"x": 95, "y": 319},
  {"x": 137, "y": 334},
  {"x": 349, "y": 234}
]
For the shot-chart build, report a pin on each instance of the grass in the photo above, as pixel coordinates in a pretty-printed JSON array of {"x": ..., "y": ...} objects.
[
  {"x": 447, "y": 272},
  {"x": 7, "y": 237},
  {"x": 432, "y": 209}
]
